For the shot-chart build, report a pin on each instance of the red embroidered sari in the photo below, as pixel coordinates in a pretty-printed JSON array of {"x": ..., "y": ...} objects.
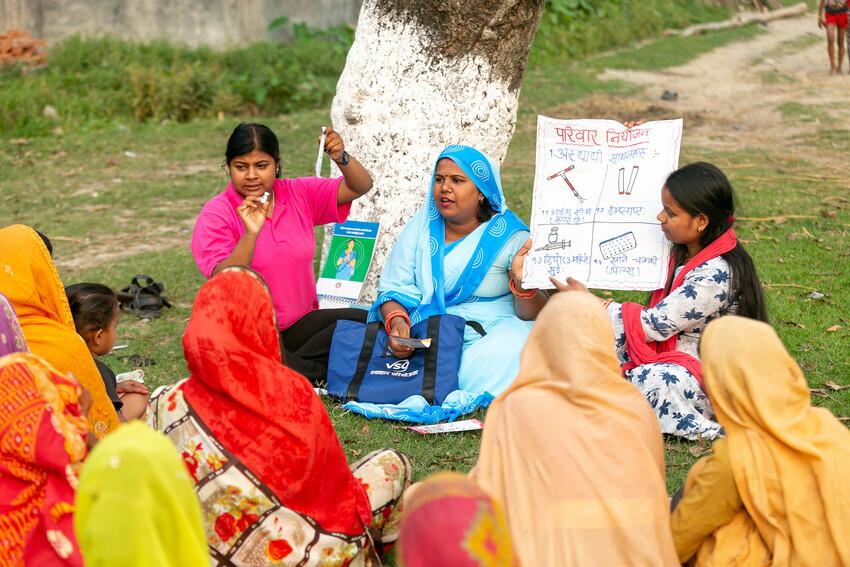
[
  {"x": 42, "y": 445},
  {"x": 263, "y": 413}
]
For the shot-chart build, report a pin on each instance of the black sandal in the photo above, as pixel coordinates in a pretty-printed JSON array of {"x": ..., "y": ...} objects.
[{"x": 143, "y": 297}]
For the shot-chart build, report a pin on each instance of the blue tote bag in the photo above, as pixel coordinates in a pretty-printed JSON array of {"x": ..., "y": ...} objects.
[{"x": 362, "y": 368}]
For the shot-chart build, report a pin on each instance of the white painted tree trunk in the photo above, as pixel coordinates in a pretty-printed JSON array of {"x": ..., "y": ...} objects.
[{"x": 401, "y": 99}]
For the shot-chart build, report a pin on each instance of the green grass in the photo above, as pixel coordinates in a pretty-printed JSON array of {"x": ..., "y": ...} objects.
[
  {"x": 796, "y": 112},
  {"x": 106, "y": 230},
  {"x": 672, "y": 50},
  {"x": 774, "y": 77},
  {"x": 570, "y": 30}
]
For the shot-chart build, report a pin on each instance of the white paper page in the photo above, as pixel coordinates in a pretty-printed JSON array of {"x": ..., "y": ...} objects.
[{"x": 597, "y": 192}]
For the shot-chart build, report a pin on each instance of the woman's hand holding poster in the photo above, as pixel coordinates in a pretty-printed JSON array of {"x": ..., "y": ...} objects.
[{"x": 597, "y": 191}]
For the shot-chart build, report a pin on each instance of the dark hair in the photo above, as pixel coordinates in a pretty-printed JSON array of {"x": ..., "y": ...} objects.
[
  {"x": 92, "y": 306},
  {"x": 702, "y": 188},
  {"x": 249, "y": 137},
  {"x": 46, "y": 241},
  {"x": 485, "y": 211}
]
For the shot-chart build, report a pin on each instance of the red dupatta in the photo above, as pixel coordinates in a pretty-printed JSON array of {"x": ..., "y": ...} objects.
[
  {"x": 643, "y": 352},
  {"x": 42, "y": 446},
  {"x": 264, "y": 413}
]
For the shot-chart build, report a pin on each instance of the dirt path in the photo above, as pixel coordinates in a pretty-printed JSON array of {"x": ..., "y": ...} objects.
[{"x": 736, "y": 95}]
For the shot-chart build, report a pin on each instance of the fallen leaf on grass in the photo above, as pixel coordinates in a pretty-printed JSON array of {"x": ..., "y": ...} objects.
[
  {"x": 834, "y": 328},
  {"x": 699, "y": 450},
  {"x": 829, "y": 214},
  {"x": 837, "y": 387},
  {"x": 356, "y": 453},
  {"x": 365, "y": 430},
  {"x": 810, "y": 235}
]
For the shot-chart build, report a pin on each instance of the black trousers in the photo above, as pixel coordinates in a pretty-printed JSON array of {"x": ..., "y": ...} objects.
[{"x": 307, "y": 342}]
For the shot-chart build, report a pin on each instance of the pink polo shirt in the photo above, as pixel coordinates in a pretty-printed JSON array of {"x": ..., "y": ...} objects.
[{"x": 286, "y": 245}]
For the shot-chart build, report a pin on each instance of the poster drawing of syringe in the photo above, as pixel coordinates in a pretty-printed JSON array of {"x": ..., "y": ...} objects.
[{"x": 597, "y": 191}]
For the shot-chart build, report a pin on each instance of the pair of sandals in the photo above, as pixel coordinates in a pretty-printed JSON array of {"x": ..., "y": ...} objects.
[{"x": 143, "y": 297}]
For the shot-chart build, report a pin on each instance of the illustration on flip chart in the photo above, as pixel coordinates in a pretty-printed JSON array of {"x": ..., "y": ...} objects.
[
  {"x": 622, "y": 187},
  {"x": 563, "y": 175},
  {"x": 597, "y": 191},
  {"x": 553, "y": 243}
]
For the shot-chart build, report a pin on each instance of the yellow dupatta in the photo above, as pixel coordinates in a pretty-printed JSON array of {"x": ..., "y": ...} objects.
[
  {"x": 790, "y": 460},
  {"x": 30, "y": 282},
  {"x": 136, "y": 504},
  {"x": 574, "y": 452}
]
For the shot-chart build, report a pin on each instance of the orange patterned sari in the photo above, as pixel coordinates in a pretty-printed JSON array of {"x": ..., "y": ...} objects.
[
  {"x": 42, "y": 445},
  {"x": 30, "y": 282}
]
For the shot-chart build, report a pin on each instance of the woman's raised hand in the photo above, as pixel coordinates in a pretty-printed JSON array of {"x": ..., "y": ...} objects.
[
  {"x": 334, "y": 146},
  {"x": 399, "y": 328},
  {"x": 253, "y": 213}
]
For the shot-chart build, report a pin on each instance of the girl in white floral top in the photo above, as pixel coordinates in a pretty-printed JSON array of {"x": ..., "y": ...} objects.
[{"x": 711, "y": 275}]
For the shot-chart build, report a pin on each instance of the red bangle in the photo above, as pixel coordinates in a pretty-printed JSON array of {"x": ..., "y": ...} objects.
[
  {"x": 522, "y": 295},
  {"x": 392, "y": 315}
]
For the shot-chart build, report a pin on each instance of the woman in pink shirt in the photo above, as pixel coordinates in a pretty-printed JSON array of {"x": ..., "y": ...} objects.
[{"x": 266, "y": 222}]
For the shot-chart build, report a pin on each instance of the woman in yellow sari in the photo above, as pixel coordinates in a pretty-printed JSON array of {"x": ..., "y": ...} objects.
[
  {"x": 136, "y": 504},
  {"x": 574, "y": 452},
  {"x": 30, "y": 282},
  {"x": 776, "y": 490}
]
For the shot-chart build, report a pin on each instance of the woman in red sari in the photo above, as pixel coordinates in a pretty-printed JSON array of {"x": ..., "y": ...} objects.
[
  {"x": 42, "y": 446},
  {"x": 270, "y": 473}
]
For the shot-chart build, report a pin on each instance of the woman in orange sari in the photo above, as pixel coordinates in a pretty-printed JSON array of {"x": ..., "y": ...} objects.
[
  {"x": 269, "y": 470},
  {"x": 42, "y": 446},
  {"x": 574, "y": 452},
  {"x": 30, "y": 282}
]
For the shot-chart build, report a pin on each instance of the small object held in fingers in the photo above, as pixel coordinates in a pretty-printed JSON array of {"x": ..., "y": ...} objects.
[
  {"x": 412, "y": 343},
  {"x": 265, "y": 198}
]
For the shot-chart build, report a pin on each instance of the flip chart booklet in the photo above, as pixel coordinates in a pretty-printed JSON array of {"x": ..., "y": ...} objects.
[
  {"x": 349, "y": 257},
  {"x": 597, "y": 191}
]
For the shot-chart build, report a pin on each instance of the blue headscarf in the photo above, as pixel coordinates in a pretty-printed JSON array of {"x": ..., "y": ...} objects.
[{"x": 413, "y": 275}]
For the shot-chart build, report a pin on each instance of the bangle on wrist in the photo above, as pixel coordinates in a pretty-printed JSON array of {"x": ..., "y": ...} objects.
[
  {"x": 521, "y": 294},
  {"x": 392, "y": 315},
  {"x": 607, "y": 302}
]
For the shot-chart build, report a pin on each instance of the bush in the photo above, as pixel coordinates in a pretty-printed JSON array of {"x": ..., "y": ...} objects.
[
  {"x": 91, "y": 80},
  {"x": 572, "y": 29}
]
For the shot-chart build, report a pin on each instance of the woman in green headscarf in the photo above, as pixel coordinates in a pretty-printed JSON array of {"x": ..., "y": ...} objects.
[{"x": 136, "y": 505}]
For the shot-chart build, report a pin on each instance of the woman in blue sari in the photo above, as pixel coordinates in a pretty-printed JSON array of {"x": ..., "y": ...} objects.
[{"x": 462, "y": 254}]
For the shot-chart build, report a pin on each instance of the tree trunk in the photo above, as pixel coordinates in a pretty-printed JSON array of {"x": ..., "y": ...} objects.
[{"x": 423, "y": 74}]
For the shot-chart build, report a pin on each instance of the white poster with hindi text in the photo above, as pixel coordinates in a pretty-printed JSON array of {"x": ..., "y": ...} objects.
[{"x": 597, "y": 192}]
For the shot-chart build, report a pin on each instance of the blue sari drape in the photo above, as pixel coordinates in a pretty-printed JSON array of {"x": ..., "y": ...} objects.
[{"x": 427, "y": 280}]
